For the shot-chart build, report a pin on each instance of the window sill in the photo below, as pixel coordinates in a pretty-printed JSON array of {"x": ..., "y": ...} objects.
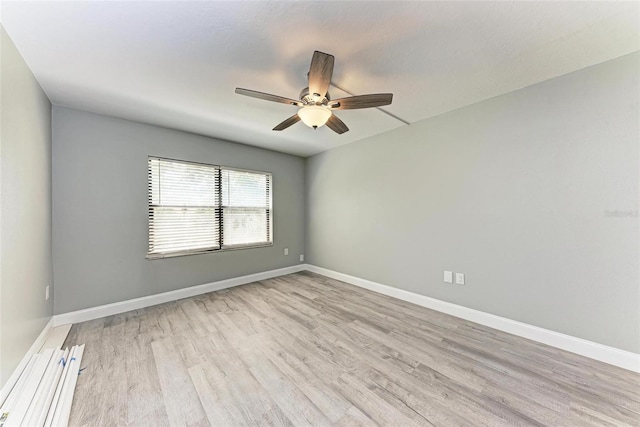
[{"x": 155, "y": 256}]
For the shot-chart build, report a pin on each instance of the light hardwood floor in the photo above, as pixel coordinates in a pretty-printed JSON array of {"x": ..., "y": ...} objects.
[{"x": 304, "y": 349}]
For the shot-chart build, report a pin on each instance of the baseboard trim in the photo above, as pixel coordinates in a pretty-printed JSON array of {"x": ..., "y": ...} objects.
[
  {"x": 611, "y": 355},
  {"x": 142, "y": 302},
  {"x": 35, "y": 348}
]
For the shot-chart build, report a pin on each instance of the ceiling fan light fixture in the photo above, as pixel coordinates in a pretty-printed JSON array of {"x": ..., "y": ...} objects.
[
  {"x": 316, "y": 104},
  {"x": 314, "y": 116}
]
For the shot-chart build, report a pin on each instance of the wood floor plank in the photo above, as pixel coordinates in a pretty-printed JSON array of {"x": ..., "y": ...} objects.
[
  {"x": 297, "y": 407},
  {"x": 304, "y": 349},
  {"x": 144, "y": 394},
  {"x": 179, "y": 394},
  {"x": 332, "y": 405},
  {"x": 225, "y": 369},
  {"x": 354, "y": 418},
  {"x": 371, "y": 404},
  {"x": 215, "y": 395}
]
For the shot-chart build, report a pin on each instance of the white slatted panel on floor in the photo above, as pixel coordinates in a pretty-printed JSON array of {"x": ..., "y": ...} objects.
[{"x": 43, "y": 394}]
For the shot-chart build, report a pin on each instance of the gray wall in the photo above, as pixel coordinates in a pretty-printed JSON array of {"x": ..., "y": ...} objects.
[
  {"x": 100, "y": 210},
  {"x": 25, "y": 208},
  {"x": 533, "y": 195}
]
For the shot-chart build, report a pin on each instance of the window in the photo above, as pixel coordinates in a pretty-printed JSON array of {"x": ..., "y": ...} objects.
[{"x": 197, "y": 208}]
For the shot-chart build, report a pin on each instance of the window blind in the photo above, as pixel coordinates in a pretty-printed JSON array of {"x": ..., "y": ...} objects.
[
  {"x": 197, "y": 208},
  {"x": 246, "y": 213}
]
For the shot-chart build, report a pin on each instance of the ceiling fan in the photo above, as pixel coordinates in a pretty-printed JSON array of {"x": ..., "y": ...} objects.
[{"x": 316, "y": 106}]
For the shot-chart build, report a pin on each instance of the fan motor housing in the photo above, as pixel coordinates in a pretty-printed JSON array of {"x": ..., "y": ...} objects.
[{"x": 308, "y": 99}]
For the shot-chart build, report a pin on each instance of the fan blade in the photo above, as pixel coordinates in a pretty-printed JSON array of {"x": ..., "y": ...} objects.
[
  {"x": 361, "y": 101},
  {"x": 337, "y": 125},
  {"x": 290, "y": 121},
  {"x": 267, "y": 96},
  {"x": 320, "y": 73}
]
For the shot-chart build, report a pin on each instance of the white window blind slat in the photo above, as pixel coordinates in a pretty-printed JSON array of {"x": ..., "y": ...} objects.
[
  {"x": 245, "y": 189},
  {"x": 245, "y": 225},
  {"x": 196, "y": 208}
]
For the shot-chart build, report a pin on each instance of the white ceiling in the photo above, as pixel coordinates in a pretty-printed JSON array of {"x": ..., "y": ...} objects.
[{"x": 176, "y": 64}]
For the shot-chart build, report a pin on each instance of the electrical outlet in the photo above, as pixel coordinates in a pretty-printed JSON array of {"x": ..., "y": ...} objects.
[
  {"x": 301, "y": 257},
  {"x": 459, "y": 278},
  {"x": 46, "y": 293},
  {"x": 448, "y": 276},
  {"x": 286, "y": 251}
]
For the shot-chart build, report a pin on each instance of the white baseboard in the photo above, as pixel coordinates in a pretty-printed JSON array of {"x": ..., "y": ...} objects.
[
  {"x": 56, "y": 337},
  {"x": 593, "y": 350},
  {"x": 603, "y": 353},
  {"x": 137, "y": 303},
  {"x": 35, "y": 348}
]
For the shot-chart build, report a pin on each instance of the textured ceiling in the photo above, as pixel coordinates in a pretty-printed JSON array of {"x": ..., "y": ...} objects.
[{"x": 176, "y": 64}]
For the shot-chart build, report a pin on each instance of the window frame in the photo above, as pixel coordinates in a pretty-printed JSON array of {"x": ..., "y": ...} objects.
[{"x": 220, "y": 208}]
